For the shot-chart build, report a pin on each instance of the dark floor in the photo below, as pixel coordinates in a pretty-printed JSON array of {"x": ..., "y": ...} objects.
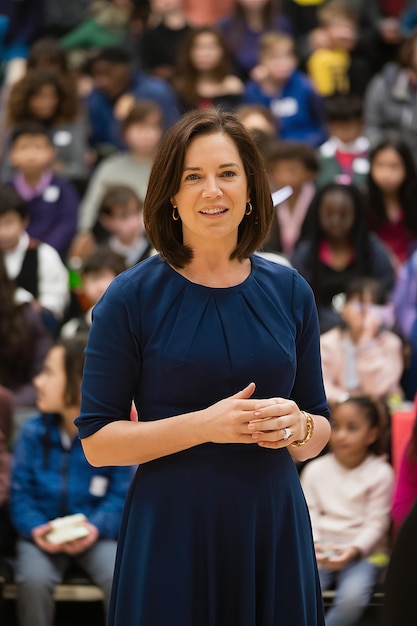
[
  {"x": 92, "y": 614},
  {"x": 67, "y": 614}
]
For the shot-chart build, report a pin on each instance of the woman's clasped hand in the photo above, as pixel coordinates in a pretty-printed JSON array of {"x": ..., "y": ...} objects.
[{"x": 269, "y": 422}]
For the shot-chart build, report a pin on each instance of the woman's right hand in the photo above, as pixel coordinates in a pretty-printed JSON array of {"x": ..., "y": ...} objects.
[{"x": 227, "y": 420}]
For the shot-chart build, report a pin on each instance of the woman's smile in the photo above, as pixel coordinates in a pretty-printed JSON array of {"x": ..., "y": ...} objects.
[{"x": 214, "y": 211}]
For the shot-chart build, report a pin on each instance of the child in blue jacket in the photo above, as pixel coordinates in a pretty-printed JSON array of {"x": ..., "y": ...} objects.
[
  {"x": 287, "y": 92},
  {"x": 51, "y": 478}
]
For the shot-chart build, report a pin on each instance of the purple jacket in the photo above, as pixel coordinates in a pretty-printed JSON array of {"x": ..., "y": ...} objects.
[
  {"x": 404, "y": 296},
  {"x": 54, "y": 215}
]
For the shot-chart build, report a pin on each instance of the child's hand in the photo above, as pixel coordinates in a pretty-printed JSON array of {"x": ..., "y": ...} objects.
[{"x": 343, "y": 557}]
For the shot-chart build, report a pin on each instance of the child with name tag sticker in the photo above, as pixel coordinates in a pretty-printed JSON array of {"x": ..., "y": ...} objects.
[
  {"x": 52, "y": 201},
  {"x": 64, "y": 509}
]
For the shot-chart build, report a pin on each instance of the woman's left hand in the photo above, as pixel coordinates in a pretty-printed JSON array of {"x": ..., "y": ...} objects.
[{"x": 279, "y": 423}]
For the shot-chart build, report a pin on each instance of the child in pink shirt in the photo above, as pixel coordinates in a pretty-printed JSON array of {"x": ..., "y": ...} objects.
[{"x": 348, "y": 493}]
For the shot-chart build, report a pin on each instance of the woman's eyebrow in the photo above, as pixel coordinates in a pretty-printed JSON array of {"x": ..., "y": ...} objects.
[{"x": 189, "y": 168}]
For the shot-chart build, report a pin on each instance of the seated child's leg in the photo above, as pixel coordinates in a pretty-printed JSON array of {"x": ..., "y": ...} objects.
[
  {"x": 98, "y": 561},
  {"x": 354, "y": 586},
  {"x": 327, "y": 578},
  {"x": 37, "y": 574}
]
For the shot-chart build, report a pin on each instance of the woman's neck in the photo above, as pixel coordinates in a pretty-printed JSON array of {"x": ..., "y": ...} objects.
[{"x": 214, "y": 270}]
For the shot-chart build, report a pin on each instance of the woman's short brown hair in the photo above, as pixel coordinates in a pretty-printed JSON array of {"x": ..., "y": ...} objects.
[{"x": 164, "y": 233}]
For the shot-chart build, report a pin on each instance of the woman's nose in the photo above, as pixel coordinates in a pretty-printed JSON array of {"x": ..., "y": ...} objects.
[{"x": 211, "y": 189}]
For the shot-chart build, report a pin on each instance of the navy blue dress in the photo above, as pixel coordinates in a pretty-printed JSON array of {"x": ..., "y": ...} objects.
[{"x": 217, "y": 535}]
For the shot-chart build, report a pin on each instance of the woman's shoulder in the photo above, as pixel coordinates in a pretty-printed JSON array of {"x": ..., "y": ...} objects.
[
  {"x": 150, "y": 275},
  {"x": 272, "y": 265},
  {"x": 282, "y": 278}
]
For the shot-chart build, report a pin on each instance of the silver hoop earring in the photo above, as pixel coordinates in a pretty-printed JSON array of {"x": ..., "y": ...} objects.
[
  {"x": 175, "y": 214},
  {"x": 249, "y": 209}
]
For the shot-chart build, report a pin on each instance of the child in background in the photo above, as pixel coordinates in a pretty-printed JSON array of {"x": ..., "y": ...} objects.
[
  {"x": 104, "y": 25},
  {"x": 24, "y": 342},
  {"x": 335, "y": 247},
  {"x": 330, "y": 67},
  {"x": 344, "y": 157},
  {"x": 392, "y": 193},
  {"x": 121, "y": 225},
  {"x": 288, "y": 92},
  {"x": 362, "y": 357},
  {"x": 348, "y": 493},
  {"x": 141, "y": 130},
  {"x": 294, "y": 164},
  {"x": 50, "y": 98},
  {"x": 244, "y": 26},
  {"x": 51, "y": 478},
  {"x": 52, "y": 201},
  {"x": 258, "y": 118},
  {"x": 7, "y": 534},
  {"x": 99, "y": 269},
  {"x": 404, "y": 300},
  {"x": 162, "y": 37},
  {"x": 203, "y": 76},
  {"x": 36, "y": 267}
]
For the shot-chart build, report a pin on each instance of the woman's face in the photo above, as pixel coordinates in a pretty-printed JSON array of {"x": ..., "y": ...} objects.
[
  {"x": 206, "y": 52},
  {"x": 336, "y": 214},
  {"x": 43, "y": 103},
  {"x": 51, "y": 382},
  {"x": 387, "y": 170},
  {"x": 213, "y": 192}
]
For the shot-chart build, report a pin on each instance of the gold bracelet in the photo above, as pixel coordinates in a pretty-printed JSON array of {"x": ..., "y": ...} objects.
[{"x": 309, "y": 433}]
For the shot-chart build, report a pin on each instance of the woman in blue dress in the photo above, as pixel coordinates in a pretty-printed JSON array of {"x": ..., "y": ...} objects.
[{"x": 219, "y": 350}]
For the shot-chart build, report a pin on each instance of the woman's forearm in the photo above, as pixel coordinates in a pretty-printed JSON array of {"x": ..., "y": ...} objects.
[
  {"x": 124, "y": 442},
  {"x": 317, "y": 442}
]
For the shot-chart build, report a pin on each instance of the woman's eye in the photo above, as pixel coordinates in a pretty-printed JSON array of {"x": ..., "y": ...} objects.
[
  {"x": 229, "y": 173},
  {"x": 192, "y": 177}
]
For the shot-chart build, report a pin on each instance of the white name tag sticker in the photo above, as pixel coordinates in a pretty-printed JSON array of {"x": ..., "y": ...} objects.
[
  {"x": 51, "y": 193},
  {"x": 98, "y": 486},
  {"x": 62, "y": 138},
  {"x": 361, "y": 166},
  {"x": 285, "y": 107}
]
